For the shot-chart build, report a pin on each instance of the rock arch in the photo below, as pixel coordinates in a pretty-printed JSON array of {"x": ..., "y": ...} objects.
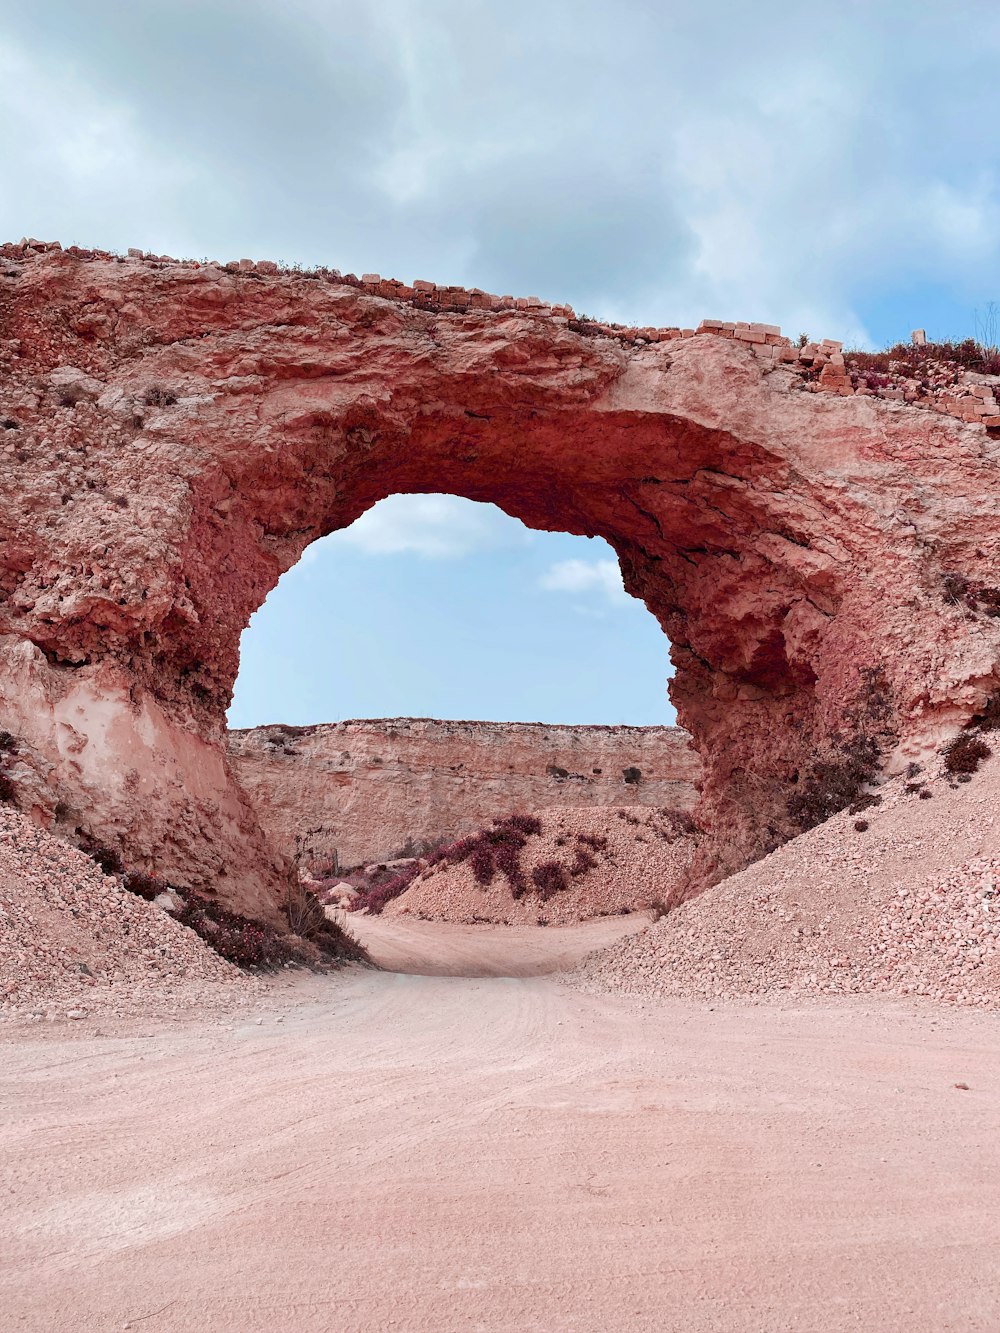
[{"x": 176, "y": 435}]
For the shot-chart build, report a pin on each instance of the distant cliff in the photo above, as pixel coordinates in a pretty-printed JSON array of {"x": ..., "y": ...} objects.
[{"x": 369, "y": 790}]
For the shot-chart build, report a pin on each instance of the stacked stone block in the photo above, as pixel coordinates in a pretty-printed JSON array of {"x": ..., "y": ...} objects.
[{"x": 968, "y": 396}]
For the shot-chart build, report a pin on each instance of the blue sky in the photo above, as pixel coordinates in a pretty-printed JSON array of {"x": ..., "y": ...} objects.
[
  {"x": 835, "y": 171},
  {"x": 433, "y": 606}
]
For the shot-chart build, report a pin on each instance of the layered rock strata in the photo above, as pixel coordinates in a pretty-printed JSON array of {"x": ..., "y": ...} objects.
[
  {"x": 351, "y": 792},
  {"x": 174, "y": 436}
]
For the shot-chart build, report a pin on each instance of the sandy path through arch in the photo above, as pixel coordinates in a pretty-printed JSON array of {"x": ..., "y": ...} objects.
[
  {"x": 451, "y": 949},
  {"x": 383, "y": 1150}
]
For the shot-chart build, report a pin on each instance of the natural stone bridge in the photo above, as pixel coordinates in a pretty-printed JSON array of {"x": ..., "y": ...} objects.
[{"x": 175, "y": 435}]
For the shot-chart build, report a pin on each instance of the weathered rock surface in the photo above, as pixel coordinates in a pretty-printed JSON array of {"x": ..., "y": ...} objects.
[
  {"x": 361, "y": 791},
  {"x": 175, "y": 435}
]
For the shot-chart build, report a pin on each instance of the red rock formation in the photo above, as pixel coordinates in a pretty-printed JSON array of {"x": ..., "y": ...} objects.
[
  {"x": 176, "y": 435},
  {"x": 366, "y": 791}
]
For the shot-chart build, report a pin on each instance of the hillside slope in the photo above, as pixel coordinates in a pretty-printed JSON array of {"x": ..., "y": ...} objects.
[
  {"x": 74, "y": 942},
  {"x": 909, "y": 904},
  {"x": 582, "y": 863}
]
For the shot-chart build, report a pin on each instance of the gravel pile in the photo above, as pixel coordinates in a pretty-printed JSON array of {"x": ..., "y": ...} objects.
[
  {"x": 74, "y": 943},
  {"x": 643, "y": 859},
  {"x": 909, "y": 905}
]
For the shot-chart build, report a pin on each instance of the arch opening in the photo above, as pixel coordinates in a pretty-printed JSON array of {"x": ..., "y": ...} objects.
[
  {"x": 435, "y": 606},
  {"x": 472, "y": 667}
]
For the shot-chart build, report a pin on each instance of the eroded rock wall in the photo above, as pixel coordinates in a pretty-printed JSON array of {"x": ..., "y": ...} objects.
[
  {"x": 175, "y": 435},
  {"x": 370, "y": 790}
]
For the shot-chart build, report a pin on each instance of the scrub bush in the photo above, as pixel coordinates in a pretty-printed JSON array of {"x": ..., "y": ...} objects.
[
  {"x": 964, "y": 753},
  {"x": 549, "y": 877},
  {"x": 837, "y": 781},
  {"x": 142, "y": 885}
]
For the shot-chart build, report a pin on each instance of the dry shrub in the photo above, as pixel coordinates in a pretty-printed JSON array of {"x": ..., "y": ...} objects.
[
  {"x": 989, "y": 718},
  {"x": 549, "y": 877},
  {"x": 507, "y": 858},
  {"x": 483, "y": 864},
  {"x": 495, "y": 850},
  {"x": 251, "y": 945},
  {"x": 383, "y": 887},
  {"x": 964, "y": 753},
  {"x": 248, "y": 944},
  {"x": 107, "y": 858},
  {"x": 837, "y": 782},
  {"x": 309, "y": 921},
  {"x": 864, "y": 802},
  {"x": 143, "y": 885},
  {"x": 960, "y": 591},
  {"x": 303, "y": 911},
  {"x": 527, "y": 824},
  {"x": 679, "y": 824},
  {"x": 988, "y": 601},
  {"x": 597, "y": 842},
  {"x": 921, "y": 360},
  {"x": 955, "y": 588},
  {"x": 582, "y": 862},
  {"x": 8, "y": 788}
]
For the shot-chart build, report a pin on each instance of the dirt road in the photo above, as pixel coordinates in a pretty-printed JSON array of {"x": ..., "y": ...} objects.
[{"x": 417, "y": 1152}]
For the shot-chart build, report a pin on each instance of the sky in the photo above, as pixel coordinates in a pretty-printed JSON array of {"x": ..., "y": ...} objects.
[
  {"x": 835, "y": 171},
  {"x": 454, "y": 610}
]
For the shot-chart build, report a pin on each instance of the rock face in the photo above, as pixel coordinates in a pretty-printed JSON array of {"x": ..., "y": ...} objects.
[
  {"x": 367, "y": 791},
  {"x": 174, "y": 436}
]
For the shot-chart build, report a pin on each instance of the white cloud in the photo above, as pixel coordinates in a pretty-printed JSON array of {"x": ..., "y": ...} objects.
[
  {"x": 77, "y": 168},
  {"x": 602, "y": 577},
  {"x": 437, "y": 527},
  {"x": 684, "y": 163}
]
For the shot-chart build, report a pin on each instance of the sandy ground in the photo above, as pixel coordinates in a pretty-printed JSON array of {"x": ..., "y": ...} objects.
[
  {"x": 449, "y": 949},
  {"x": 376, "y": 1151}
]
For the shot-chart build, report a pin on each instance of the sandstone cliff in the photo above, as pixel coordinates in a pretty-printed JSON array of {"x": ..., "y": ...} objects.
[
  {"x": 175, "y": 435},
  {"x": 369, "y": 790}
]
